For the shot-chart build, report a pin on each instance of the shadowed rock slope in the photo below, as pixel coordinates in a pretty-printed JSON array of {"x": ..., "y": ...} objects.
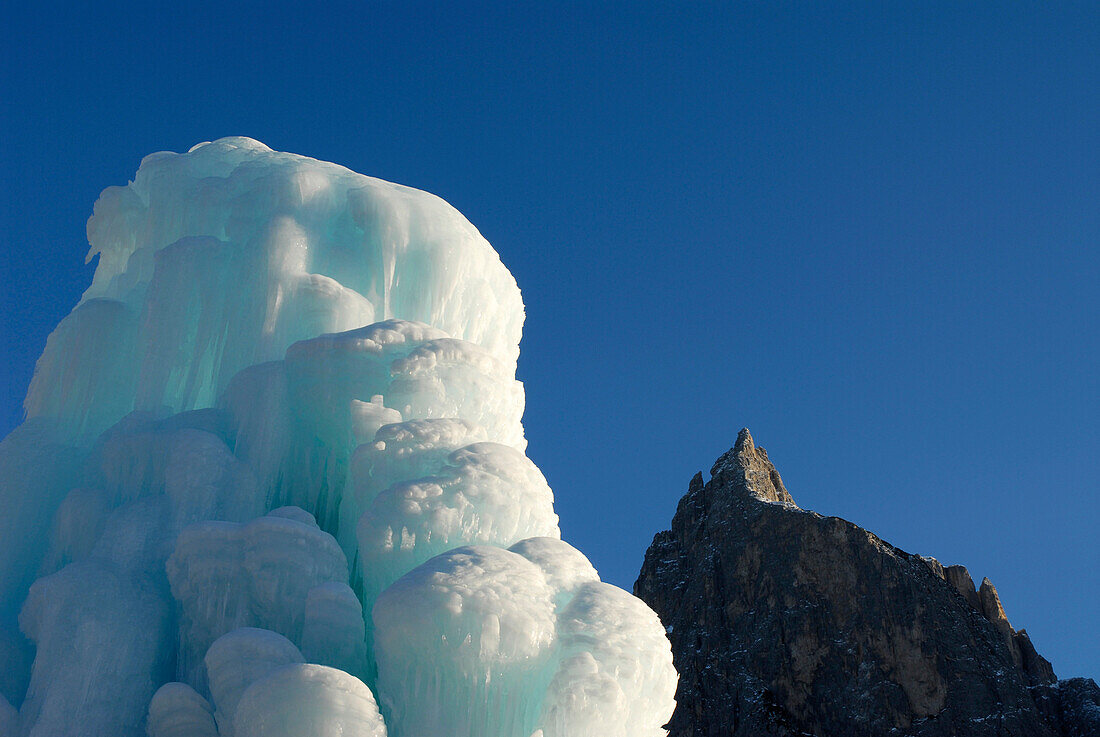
[{"x": 785, "y": 622}]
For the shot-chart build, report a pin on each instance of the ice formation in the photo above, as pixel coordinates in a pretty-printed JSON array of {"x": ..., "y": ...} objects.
[{"x": 273, "y": 483}]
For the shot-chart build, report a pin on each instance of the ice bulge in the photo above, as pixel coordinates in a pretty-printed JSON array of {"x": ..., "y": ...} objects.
[{"x": 272, "y": 481}]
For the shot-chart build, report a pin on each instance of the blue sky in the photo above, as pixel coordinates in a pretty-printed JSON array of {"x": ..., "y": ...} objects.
[{"x": 869, "y": 232}]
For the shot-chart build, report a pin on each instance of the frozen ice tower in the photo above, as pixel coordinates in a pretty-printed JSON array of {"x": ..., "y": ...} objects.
[{"x": 272, "y": 483}]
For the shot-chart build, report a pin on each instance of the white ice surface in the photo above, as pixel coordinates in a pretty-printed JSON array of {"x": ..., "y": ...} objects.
[
  {"x": 312, "y": 700},
  {"x": 486, "y": 641},
  {"x": 481, "y": 494},
  {"x": 464, "y": 644}
]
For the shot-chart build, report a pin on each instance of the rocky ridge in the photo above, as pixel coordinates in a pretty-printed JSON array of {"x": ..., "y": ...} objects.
[{"x": 787, "y": 622}]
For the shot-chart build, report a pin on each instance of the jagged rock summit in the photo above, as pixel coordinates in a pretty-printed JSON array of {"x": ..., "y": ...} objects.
[
  {"x": 787, "y": 622},
  {"x": 749, "y": 471}
]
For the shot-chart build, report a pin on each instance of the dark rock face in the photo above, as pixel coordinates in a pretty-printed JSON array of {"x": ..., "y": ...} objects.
[
  {"x": 785, "y": 622},
  {"x": 1073, "y": 706},
  {"x": 960, "y": 578}
]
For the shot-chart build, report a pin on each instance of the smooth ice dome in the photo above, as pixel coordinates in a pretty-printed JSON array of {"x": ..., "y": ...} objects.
[
  {"x": 309, "y": 700},
  {"x": 531, "y": 634},
  {"x": 273, "y": 483}
]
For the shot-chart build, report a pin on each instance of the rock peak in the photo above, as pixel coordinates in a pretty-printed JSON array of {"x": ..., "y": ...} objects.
[
  {"x": 746, "y": 467},
  {"x": 744, "y": 442},
  {"x": 787, "y": 623}
]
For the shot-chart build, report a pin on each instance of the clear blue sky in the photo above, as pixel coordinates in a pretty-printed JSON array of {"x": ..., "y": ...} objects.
[{"x": 872, "y": 235}]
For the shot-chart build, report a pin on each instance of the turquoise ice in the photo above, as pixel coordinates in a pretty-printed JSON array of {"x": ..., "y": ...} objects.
[{"x": 272, "y": 483}]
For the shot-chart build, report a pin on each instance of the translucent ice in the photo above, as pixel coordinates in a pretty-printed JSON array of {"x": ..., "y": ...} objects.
[
  {"x": 225, "y": 576},
  {"x": 37, "y": 469},
  {"x": 177, "y": 710},
  {"x": 9, "y": 719},
  {"x": 274, "y": 460},
  {"x": 334, "y": 633},
  {"x": 221, "y": 258},
  {"x": 300, "y": 420},
  {"x": 238, "y": 659},
  {"x": 102, "y": 641}
]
